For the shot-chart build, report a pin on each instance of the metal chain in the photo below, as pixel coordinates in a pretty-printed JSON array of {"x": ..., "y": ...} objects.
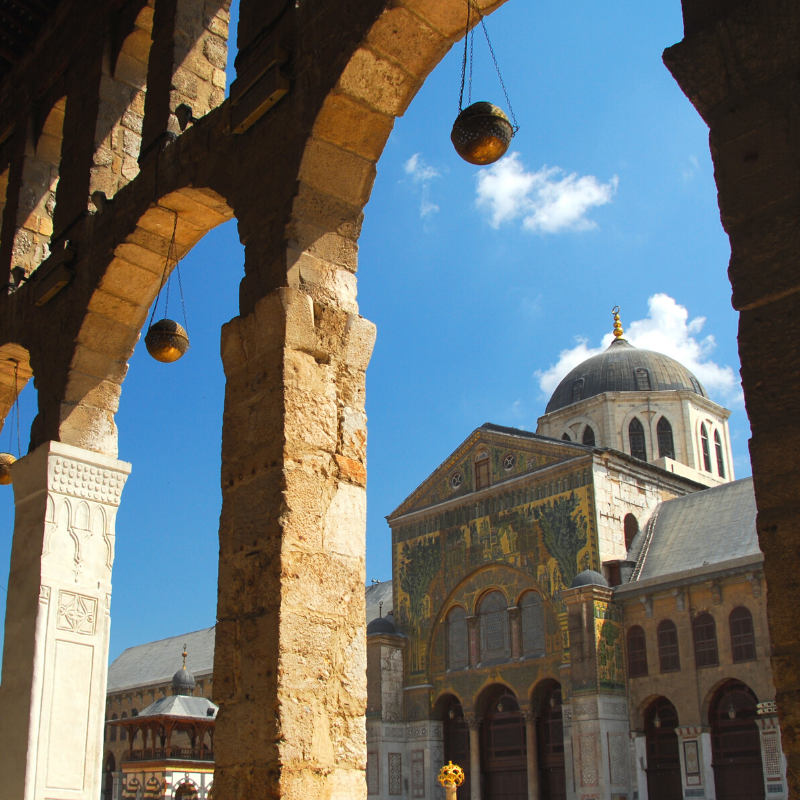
[
  {"x": 471, "y": 48},
  {"x": 16, "y": 403},
  {"x": 164, "y": 278},
  {"x": 500, "y": 77},
  {"x": 464, "y": 61},
  {"x": 183, "y": 304}
]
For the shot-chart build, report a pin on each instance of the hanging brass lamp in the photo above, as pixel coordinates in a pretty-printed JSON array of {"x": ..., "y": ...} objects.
[
  {"x": 482, "y": 132},
  {"x": 6, "y": 460},
  {"x": 167, "y": 340}
]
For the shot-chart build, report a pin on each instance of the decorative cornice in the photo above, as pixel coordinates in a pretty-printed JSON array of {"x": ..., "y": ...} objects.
[{"x": 82, "y": 479}]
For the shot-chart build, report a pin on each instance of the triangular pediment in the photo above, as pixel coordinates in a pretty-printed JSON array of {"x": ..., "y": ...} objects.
[{"x": 510, "y": 452}]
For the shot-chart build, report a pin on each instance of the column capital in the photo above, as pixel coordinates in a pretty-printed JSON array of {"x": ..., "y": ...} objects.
[{"x": 473, "y": 720}]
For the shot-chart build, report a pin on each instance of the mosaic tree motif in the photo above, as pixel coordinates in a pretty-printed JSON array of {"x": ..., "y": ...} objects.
[
  {"x": 564, "y": 532},
  {"x": 421, "y": 560}
]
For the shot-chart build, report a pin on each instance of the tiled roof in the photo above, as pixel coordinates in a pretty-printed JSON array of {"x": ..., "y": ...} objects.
[
  {"x": 702, "y": 529},
  {"x": 180, "y": 706},
  {"x": 156, "y": 662}
]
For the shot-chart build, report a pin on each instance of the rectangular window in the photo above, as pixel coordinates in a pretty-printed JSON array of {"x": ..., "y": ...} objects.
[
  {"x": 481, "y": 475},
  {"x": 395, "y": 773},
  {"x": 418, "y": 773}
]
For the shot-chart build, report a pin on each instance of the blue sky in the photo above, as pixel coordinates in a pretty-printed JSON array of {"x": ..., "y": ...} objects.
[{"x": 485, "y": 285}]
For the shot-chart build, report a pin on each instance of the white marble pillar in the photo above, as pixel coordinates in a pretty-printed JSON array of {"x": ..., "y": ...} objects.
[
  {"x": 697, "y": 773},
  {"x": 640, "y": 764},
  {"x": 55, "y": 658},
  {"x": 772, "y": 757},
  {"x": 474, "y": 757}
]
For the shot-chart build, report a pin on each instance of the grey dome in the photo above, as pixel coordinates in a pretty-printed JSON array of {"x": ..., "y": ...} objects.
[
  {"x": 381, "y": 625},
  {"x": 588, "y": 578},
  {"x": 615, "y": 370},
  {"x": 183, "y": 682}
]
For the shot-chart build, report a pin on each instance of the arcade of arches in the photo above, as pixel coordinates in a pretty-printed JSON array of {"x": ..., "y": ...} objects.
[{"x": 294, "y": 432}]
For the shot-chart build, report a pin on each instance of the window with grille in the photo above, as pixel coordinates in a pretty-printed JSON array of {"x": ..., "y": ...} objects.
[
  {"x": 720, "y": 460},
  {"x": 588, "y": 436},
  {"x": 637, "y": 652},
  {"x": 457, "y": 639},
  {"x": 642, "y": 380},
  {"x": 577, "y": 390},
  {"x": 704, "y": 445},
  {"x": 668, "y": 653},
  {"x": 705, "y": 641},
  {"x": 696, "y": 386},
  {"x": 373, "y": 773},
  {"x": 666, "y": 445},
  {"x": 636, "y": 437},
  {"x": 395, "y": 773},
  {"x": 493, "y": 617},
  {"x": 743, "y": 640},
  {"x": 532, "y": 613}
]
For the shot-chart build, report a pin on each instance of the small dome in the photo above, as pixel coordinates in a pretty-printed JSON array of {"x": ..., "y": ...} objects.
[
  {"x": 183, "y": 682},
  {"x": 381, "y": 625},
  {"x": 588, "y": 578},
  {"x": 623, "y": 368}
]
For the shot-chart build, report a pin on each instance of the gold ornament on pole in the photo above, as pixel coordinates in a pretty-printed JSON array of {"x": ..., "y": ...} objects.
[
  {"x": 618, "y": 332},
  {"x": 451, "y": 776},
  {"x": 482, "y": 133}
]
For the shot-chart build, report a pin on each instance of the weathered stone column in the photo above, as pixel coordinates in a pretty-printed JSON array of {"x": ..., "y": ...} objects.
[
  {"x": 290, "y": 659},
  {"x": 55, "y": 658},
  {"x": 532, "y": 753},
  {"x": 474, "y": 756}
]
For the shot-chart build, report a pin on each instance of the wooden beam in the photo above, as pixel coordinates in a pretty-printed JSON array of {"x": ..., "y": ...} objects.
[{"x": 28, "y": 29}]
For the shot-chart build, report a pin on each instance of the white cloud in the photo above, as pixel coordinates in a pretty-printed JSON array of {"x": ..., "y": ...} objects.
[
  {"x": 422, "y": 173},
  {"x": 666, "y": 329},
  {"x": 549, "y": 200},
  {"x": 689, "y": 171}
]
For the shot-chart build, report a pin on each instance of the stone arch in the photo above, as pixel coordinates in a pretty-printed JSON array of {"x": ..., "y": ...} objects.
[
  {"x": 118, "y": 309},
  {"x": 711, "y": 694},
  {"x": 442, "y": 699},
  {"x": 540, "y": 689}
]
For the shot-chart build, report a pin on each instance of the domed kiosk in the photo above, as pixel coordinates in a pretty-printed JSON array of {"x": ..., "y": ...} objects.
[{"x": 644, "y": 404}]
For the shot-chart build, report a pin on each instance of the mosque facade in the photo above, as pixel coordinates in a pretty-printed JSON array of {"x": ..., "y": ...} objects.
[{"x": 577, "y": 613}]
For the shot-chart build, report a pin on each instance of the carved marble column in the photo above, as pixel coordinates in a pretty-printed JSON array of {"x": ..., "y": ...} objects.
[
  {"x": 772, "y": 758},
  {"x": 474, "y": 756},
  {"x": 55, "y": 659},
  {"x": 532, "y": 753},
  {"x": 697, "y": 771}
]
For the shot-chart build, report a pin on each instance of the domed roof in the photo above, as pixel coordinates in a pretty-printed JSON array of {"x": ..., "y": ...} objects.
[
  {"x": 623, "y": 368},
  {"x": 183, "y": 681},
  {"x": 381, "y": 625},
  {"x": 588, "y": 578}
]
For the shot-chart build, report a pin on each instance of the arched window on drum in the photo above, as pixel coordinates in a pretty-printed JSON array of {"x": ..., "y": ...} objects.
[
  {"x": 588, "y": 436},
  {"x": 457, "y": 639},
  {"x": 532, "y": 613},
  {"x": 493, "y": 622}
]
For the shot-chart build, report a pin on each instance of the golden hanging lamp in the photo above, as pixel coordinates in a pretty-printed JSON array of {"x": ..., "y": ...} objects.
[
  {"x": 482, "y": 132},
  {"x": 167, "y": 340},
  {"x": 7, "y": 459}
]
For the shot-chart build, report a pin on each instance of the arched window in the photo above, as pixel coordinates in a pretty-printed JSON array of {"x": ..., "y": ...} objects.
[
  {"x": 642, "y": 380},
  {"x": 481, "y": 471},
  {"x": 637, "y": 652},
  {"x": 186, "y": 792},
  {"x": 720, "y": 460},
  {"x": 457, "y": 639},
  {"x": 532, "y": 613},
  {"x": 565, "y": 437},
  {"x": 666, "y": 446},
  {"x": 493, "y": 618},
  {"x": 588, "y": 436},
  {"x": 577, "y": 390},
  {"x": 631, "y": 527},
  {"x": 113, "y": 733},
  {"x": 696, "y": 386},
  {"x": 705, "y": 641},
  {"x": 743, "y": 640},
  {"x": 123, "y": 734},
  {"x": 704, "y": 445},
  {"x": 668, "y": 654},
  {"x": 636, "y": 436}
]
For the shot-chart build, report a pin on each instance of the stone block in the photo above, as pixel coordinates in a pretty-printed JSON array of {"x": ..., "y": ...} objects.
[
  {"x": 130, "y": 282},
  {"x": 352, "y": 126},
  {"x": 337, "y": 172},
  {"x": 345, "y": 521},
  {"x": 106, "y": 336},
  {"x": 447, "y": 18},
  {"x": 378, "y": 83}
]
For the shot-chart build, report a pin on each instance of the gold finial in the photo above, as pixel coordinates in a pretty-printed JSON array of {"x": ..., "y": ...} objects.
[
  {"x": 451, "y": 775},
  {"x": 618, "y": 332},
  {"x": 184, "y": 656}
]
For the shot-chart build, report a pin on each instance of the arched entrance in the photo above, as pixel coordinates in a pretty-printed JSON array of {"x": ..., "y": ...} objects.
[
  {"x": 663, "y": 754},
  {"x": 109, "y": 769},
  {"x": 456, "y": 741},
  {"x": 552, "y": 778},
  {"x": 735, "y": 744},
  {"x": 503, "y": 753}
]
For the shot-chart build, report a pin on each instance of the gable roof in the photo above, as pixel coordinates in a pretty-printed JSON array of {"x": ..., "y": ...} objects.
[
  {"x": 540, "y": 452},
  {"x": 701, "y": 529}
]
